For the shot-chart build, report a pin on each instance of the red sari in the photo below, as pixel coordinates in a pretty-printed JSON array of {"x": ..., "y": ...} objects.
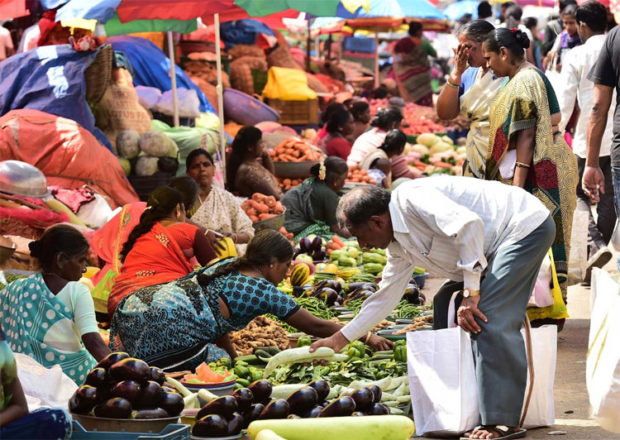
[{"x": 157, "y": 257}]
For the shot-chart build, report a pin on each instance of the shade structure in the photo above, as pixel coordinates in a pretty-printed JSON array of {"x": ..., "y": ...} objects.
[
  {"x": 456, "y": 10},
  {"x": 13, "y": 9}
]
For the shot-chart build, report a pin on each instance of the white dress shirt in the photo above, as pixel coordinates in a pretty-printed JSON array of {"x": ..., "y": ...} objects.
[
  {"x": 452, "y": 226},
  {"x": 576, "y": 65}
]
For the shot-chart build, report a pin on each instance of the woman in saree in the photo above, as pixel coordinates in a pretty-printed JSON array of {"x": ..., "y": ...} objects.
[
  {"x": 524, "y": 148},
  {"x": 218, "y": 209},
  {"x": 339, "y": 126},
  {"x": 470, "y": 91},
  {"x": 412, "y": 68},
  {"x": 379, "y": 163},
  {"x": 311, "y": 206},
  {"x": 50, "y": 316},
  {"x": 178, "y": 325},
  {"x": 249, "y": 169},
  {"x": 160, "y": 248}
]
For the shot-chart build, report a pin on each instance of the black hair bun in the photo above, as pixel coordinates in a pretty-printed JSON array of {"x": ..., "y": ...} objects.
[
  {"x": 35, "y": 248},
  {"x": 522, "y": 39}
]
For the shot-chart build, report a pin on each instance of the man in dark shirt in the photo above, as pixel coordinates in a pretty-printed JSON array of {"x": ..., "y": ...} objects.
[{"x": 606, "y": 76}]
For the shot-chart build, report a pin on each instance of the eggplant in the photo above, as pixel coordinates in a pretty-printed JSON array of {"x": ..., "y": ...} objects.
[
  {"x": 211, "y": 425},
  {"x": 305, "y": 245},
  {"x": 299, "y": 291},
  {"x": 412, "y": 294},
  {"x": 341, "y": 407},
  {"x": 97, "y": 377},
  {"x": 157, "y": 375},
  {"x": 351, "y": 287},
  {"x": 376, "y": 391},
  {"x": 244, "y": 398},
  {"x": 253, "y": 413},
  {"x": 277, "y": 409},
  {"x": 303, "y": 400},
  {"x": 327, "y": 295},
  {"x": 314, "y": 412},
  {"x": 115, "y": 408},
  {"x": 318, "y": 255},
  {"x": 225, "y": 406},
  {"x": 316, "y": 244},
  {"x": 235, "y": 424},
  {"x": 322, "y": 388},
  {"x": 150, "y": 413},
  {"x": 84, "y": 399},
  {"x": 151, "y": 395},
  {"x": 111, "y": 359},
  {"x": 172, "y": 403},
  {"x": 296, "y": 251},
  {"x": 379, "y": 409},
  {"x": 261, "y": 389},
  {"x": 127, "y": 389},
  {"x": 130, "y": 369},
  {"x": 364, "y": 399}
]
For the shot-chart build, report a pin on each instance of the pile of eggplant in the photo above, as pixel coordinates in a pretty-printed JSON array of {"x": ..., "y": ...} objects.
[
  {"x": 333, "y": 293},
  {"x": 312, "y": 246},
  {"x": 122, "y": 387},
  {"x": 228, "y": 415}
]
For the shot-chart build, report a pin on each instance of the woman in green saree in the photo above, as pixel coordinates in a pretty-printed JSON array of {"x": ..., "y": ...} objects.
[{"x": 524, "y": 147}]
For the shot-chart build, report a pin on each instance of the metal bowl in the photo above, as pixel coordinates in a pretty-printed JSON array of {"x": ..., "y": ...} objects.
[
  {"x": 7, "y": 248},
  {"x": 22, "y": 179},
  {"x": 293, "y": 170},
  {"x": 92, "y": 423}
]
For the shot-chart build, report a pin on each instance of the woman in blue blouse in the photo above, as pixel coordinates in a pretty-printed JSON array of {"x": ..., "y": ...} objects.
[{"x": 185, "y": 322}]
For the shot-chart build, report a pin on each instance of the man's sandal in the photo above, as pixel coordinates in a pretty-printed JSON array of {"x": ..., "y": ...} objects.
[{"x": 505, "y": 433}]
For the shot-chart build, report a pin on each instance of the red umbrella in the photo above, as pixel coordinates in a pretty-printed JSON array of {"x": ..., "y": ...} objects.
[{"x": 13, "y": 9}]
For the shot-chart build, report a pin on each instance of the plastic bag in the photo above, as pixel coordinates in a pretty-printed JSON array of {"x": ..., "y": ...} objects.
[
  {"x": 42, "y": 386},
  {"x": 542, "y": 296},
  {"x": 558, "y": 309},
  {"x": 578, "y": 258},
  {"x": 148, "y": 96},
  {"x": 188, "y": 102}
]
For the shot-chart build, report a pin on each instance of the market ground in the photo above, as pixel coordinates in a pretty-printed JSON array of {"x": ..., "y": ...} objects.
[{"x": 572, "y": 408}]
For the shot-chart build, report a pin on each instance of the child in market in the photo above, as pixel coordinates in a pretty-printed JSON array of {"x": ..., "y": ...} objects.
[{"x": 15, "y": 420}]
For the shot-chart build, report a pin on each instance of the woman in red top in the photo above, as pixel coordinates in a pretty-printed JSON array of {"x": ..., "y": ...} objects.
[
  {"x": 160, "y": 247},
  {"x": 339, "y": 126}
]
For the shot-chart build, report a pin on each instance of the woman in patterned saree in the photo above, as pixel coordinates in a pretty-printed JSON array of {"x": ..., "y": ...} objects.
[
  {"x": 160, "y": 248},
  {"x": 524, "y": 149},
  {"x": 180, "y": 324}
]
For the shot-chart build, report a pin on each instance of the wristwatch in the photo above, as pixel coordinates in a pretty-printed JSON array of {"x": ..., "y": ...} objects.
[{"x": 467, "y": 293}]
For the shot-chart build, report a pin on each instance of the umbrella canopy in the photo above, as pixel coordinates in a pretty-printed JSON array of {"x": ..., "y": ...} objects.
[
  {"x": 458, "y": 9},
  {"x": 13, "y": 9}
]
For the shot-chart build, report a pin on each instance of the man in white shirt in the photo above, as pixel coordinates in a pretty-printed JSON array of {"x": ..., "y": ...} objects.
[
  {"x": 489, "y": 235},
  {"x": 591, "y": 20},
  {"x": 6, "y": 44}
]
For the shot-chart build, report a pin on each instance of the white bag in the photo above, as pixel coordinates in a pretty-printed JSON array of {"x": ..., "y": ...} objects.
[
  {"x": 603, "y": 361},
  {"x": 578, "y": 259},
  {"x": 541, "y": 409},
  {"x": 442, "y": 380},
  {"x": 542, "y": 295},
  {"x": 187, "y": 99}
]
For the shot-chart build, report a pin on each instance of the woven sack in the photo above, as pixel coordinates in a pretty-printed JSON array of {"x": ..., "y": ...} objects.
[
  {"x": 208, "y": 89},
  {"x": 246, "y": 50},
  {"x": 241, "y": 73},
  {"x": 205, "y": 71}
]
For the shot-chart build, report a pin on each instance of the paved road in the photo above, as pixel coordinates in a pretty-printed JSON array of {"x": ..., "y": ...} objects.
[{"x": 572, "y": 408}]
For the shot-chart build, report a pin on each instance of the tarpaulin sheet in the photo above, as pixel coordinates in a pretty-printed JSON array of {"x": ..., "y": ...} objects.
[
  {"x": 49, "y": 79},
  {"x": 66, "y": 153},
  {"x": 151, "y": 67}
]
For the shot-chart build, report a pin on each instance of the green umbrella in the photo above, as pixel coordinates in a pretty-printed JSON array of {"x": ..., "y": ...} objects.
[{"x": 260, "y": 8}]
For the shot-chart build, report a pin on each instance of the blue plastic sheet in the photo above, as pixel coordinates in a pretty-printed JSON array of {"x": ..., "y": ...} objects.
[
  {"x": 242, "y": 32},
  {"x": 151, "y": 67},
  {"x": 49, "y": 79}
]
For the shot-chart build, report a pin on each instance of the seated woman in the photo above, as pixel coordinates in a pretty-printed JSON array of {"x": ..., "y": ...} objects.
[
  {"x": 339, "y": 126},
  {"x": 379, "y": 163},
  {"x": 185, "y": 322},
  {"x": 361, "y": 119},
  {"x": 15, "y": 420},
  {"x": 160, "y": 247},
  {"x": 49, "y": 316},
  {"x": 218, "y": 211},
  {"x": 321, "y": 136},
  {"x": 384, "y": 121},
  {"x": 245, "y": 175},
  {"x": 311, "y": 206}
]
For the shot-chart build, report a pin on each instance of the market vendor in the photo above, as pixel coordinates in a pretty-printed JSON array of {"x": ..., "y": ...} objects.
[
  {"x": 379, "y": 163},
  {"x": 492, "y": 237},
  {"x": 49, "y": 315},
  {"x": 249, "y": 169},
  {"x": 361, "y": 119},
  {"x": 470, "y": 91},
  {"x": 218, "y": 210},
  {"x": 311, "y": 206},
  {"x": 160, "y": 248},
  {"x": 384, "y": 121},
  {"x": 339, "y": 126},
  {"x": 16, "y": 422},
  {"x": 186, "y": 322}
]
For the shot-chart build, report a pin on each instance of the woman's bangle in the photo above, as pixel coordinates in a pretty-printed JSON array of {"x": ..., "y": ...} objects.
[
  {"x": 522, "y": 165},
  {"x": 451, "y": 84}
]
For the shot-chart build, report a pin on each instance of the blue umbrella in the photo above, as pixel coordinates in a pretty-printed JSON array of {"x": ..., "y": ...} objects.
[{"x": 458, "y": 9}]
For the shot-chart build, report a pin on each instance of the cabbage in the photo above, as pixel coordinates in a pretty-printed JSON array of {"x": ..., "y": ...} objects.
[
  {"x": 155, "y": 143},
  {"x": 146, "y": 165},
  {"x": 127, "y": 143},
  {"x": 173, "y": 150},
  {"x": 125, "y": 165}
]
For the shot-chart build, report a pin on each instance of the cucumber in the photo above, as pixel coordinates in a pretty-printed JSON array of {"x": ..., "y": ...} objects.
[{"x": 337, "y": 428}]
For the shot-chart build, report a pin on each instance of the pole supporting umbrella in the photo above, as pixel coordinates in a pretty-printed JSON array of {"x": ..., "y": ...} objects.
[{"x": 220, "y": 94}]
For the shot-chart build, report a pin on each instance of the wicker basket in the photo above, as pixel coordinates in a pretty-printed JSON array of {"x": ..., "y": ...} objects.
[
  {"x": 296, "y": 112},
  {"x": 98, "y": 75},
  {"x": 293, "y": 170}
]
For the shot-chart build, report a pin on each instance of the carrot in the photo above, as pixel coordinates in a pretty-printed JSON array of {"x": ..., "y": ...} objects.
[
  {"x": 265, "y": 216},
  {"x": 261, "y": 208},
  {"x": 440, "y": 164},
  {"x": 337, "y": 240},
  {"x": 254, "y": 218}
]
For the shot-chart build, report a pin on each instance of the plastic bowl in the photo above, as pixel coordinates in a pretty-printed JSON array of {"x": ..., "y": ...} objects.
[
  {"x": 246, "y": 110},
  {"x": 219, "y": 389},
  {"x": 420, "y": 279},
  {"x": 22, "y": 179},
  {"x": 91, "y": 423},
  {"x": 274, "y": 223}
]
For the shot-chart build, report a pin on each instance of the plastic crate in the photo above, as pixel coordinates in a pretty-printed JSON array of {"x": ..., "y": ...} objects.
[
  {"x": 296, "y": 112},
  {"x": 171, "y": 432}
]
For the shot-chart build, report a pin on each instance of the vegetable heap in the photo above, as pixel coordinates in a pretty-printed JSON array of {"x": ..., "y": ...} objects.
[
  {"x": 261, "y": 207},
  {"x": 294, "y": 150}
]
